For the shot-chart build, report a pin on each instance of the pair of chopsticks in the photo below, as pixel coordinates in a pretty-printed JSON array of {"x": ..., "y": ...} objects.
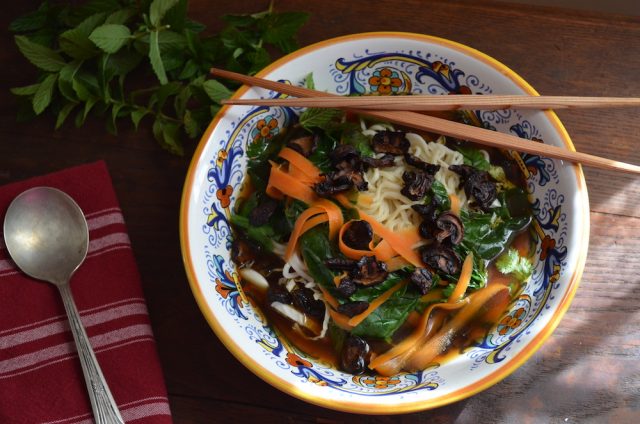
[{"x": 395, "y": 109}]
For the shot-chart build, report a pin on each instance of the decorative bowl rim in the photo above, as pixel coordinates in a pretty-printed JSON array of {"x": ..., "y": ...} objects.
[{"x": 420, "y": 404}]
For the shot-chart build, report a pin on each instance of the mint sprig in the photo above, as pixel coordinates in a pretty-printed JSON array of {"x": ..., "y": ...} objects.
[{"x": 141, "y": 61}]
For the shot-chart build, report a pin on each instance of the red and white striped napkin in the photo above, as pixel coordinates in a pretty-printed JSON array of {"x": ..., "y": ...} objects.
[{"x": 40, "y": 376}]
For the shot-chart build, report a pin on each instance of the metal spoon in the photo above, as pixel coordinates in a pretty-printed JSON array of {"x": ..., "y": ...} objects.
[{"x": 47, "y": 237}]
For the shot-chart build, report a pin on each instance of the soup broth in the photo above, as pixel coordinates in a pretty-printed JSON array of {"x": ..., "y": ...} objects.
[{"x": 378, "y": 250}]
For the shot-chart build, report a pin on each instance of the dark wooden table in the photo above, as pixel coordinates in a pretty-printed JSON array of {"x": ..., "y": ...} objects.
[{"x": 588, "y": 371}]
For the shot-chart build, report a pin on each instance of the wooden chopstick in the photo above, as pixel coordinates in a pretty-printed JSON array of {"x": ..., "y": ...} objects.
[
  {"x": 443, "y": 126},
  {"x": 451, "y": 102}
]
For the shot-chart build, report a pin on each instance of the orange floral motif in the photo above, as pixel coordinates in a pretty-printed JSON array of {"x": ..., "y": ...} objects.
[
  {"x": 380, "y": 382},
  {"x": 224, "y": 195},
  {"x": 441, "y": 68},
  {"x": 296, "y": 361},
  {"x": 225, "y": 289},
  {"x": 222, "y": 289},
  {"x": 385, "y": 81},
  {"x": 511, "y": 321},
  {"x": 315, "y": 380},
  {"x": 265, "y": 129},
  {"x": 222, "y": 156},
  {"x": 547, "y": 243},
  {"x": 462, "y": 90}
]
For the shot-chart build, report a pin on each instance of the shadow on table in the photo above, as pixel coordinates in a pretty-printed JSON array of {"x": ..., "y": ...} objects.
[{"x": 574, "y": 376}]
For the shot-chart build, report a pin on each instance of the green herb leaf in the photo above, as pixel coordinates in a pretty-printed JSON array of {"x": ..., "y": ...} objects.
[
  {"x": 441, "y": 195},
  {"x": 122, "y": 62},
  {"x": 309, "y": 82},
  {"x": 263, "y": 235},
  {"x": 315, "y": 248},
  {"x": 41, "y": 56},
  {"x": 388, "y": 317},
  {"x": 110, "y": 37},
  {"x": 137, "y": 115},
  {"x": 239, "y": 20},
  {"x": 189, "y": 70},
  {"x": 191, "y": 126},
  {"x": 320, "y": 156},
  {"x": 76, "y": 43},
  {"x": 31, "y": 21},
  {"x": 216, "y": 91},
  {"x": 120, "y": 17},
  {"x": 85, "y": 85},
  {"x": 28, "y": 90},
  {"x": 318, "y": 117},
  {"x": 64, "y": 112},
  {"x": 181, "y": 99},
  {"x": 473, "y": 157},
  {"x": 171, "y": 138},
  {"x": 176, "y": 17},
  {"x": 158, "y": 9},
  {"x": 42, "y": 97},
  {"x": 169, "y": 40},
  {"x": 159, "y": 98},
  {"x": 155, "y": 59},
  {"x": 281, "y": 27},
  {"x": 354, "y": 137},
  {"x": 511, "y": 262},
  {"x": 488, "y": 234},
  {"x": 87, "y": 108},
  {"x": 65, "y": 80}
]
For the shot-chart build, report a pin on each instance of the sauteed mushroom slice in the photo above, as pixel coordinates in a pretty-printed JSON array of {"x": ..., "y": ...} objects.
[
  {"x": 303, "y": 299},
  {"x": 481, "y": 187},
  {"x": 354, "y": 357},
  {"x": 344, "y": 153},
  {"x": 429, "y": 168},
  {"x": 427, "y": 212},
  {"x": 333, "y": 184},
  {"x": 450, "y": 228},
  {"x": 416, "y": 184},
  {"x": 341, "y": 264},
  {"x": 369, "y": 271},
  {"x": 346, "y": 287},
  {"x": 348, "y": 172},
  {"x": 463, "y": 170},
  {"x": 382, "y": 162},
  {"x": 357, "y": 179},
  {"x": 422, "y": 279},
  {"x": 305, "y": 145},
  {"x": 358, "y": 235},
  {"x": 261, "y": 214},
  {"x": 442, "y": 258},
  {"x": 478, "y": 185},
  {"x": 392, "y": 142},
  {"x": 351, "y": 309},
  {"x": 277, "y": 293}
]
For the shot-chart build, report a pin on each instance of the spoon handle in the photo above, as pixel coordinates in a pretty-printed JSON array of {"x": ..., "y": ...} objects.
[{"x": 105, "y": 410}]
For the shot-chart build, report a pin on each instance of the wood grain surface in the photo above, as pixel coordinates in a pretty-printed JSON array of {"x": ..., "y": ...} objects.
[{"x": 588, "y": 370}]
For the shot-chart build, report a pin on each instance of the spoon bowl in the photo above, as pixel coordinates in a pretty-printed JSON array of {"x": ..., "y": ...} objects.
[
  {"x": 47, "y": 237},
  {"x": 46, "y": 234}
]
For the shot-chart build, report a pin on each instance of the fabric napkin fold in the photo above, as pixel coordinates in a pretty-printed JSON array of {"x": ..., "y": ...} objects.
[{"x": 41, "y": 379}]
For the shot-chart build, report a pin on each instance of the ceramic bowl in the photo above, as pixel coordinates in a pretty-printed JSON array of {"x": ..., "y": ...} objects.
[{"x": 386, "y": 63}]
